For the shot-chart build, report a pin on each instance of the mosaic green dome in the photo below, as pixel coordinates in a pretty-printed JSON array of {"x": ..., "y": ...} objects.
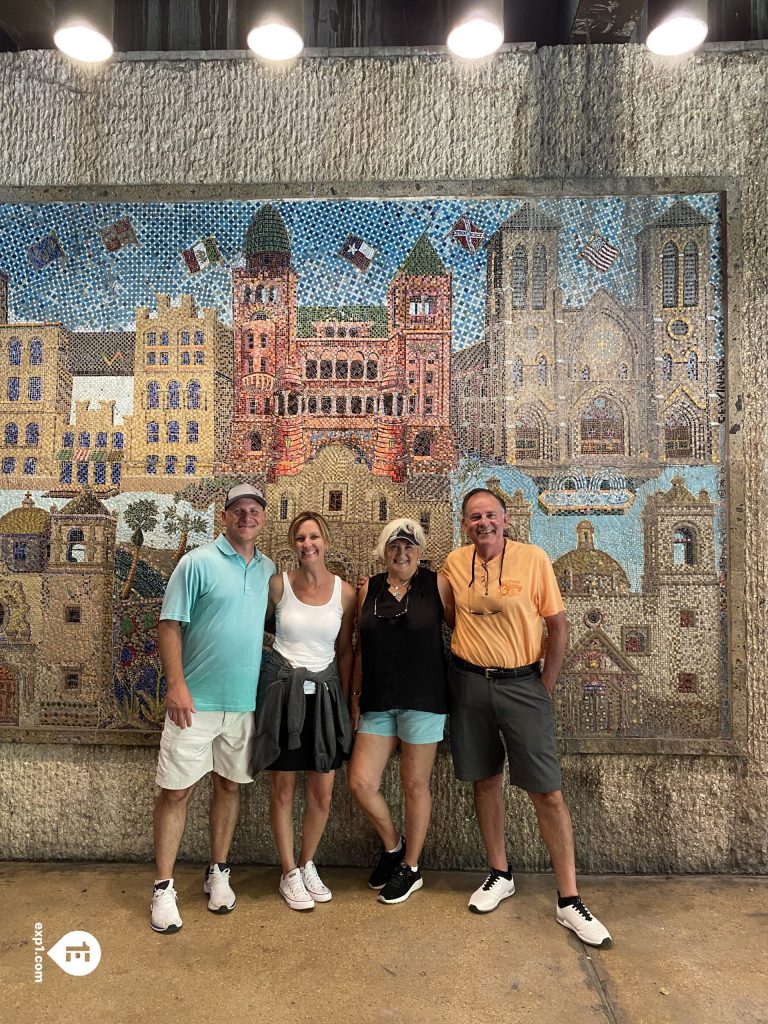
[{"x": 267, "y": 233}]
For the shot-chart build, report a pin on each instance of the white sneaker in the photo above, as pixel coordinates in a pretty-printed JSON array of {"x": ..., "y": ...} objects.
[
  {"x": 294, "y": 892},
  {"x": 314, "y": 884},
  {"x": 588, "y": 928},
  {"x": 165, "y": 915},
  {"x": 216, "y": 885},
  {"x": 490, "y": 894}
]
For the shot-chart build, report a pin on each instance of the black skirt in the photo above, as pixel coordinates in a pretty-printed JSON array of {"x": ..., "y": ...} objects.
[{"x": 302, "y": 759}]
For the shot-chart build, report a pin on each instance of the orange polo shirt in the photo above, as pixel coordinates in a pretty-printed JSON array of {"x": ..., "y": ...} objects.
[{"x": 526, "y": 593}]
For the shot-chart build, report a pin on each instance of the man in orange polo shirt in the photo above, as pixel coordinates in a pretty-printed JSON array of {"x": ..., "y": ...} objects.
[{"x": 502, "y": 677}]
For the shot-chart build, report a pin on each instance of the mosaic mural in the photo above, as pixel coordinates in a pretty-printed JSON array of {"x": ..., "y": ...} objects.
[{"x": 369, "y": 358}]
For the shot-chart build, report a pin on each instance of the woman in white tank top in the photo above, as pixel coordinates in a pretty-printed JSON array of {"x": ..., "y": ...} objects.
[{"x": 314, "y": 616}]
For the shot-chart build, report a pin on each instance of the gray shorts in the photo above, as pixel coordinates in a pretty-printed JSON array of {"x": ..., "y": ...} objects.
[{"x": 489, "y": 714}]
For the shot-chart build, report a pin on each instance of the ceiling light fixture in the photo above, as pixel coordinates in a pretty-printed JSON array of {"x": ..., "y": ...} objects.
[
  {"x": 83, "y": 29},
  {"x": 275, "y": 27},
  {"x": 676, "y": 26},
  {"x": 478, "y": 28}
]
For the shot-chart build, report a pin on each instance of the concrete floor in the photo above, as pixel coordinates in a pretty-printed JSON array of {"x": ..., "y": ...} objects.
[{"x": 687, "y": 950}]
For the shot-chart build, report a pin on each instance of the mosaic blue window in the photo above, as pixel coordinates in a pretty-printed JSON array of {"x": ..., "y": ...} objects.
[
  {"x": 82, "y": 473},
  {"x": 193, "y": 395},
  {"x": 164, "y": 338},
  {"x": 190, "y": 465},
  {"x": 65, "y": 473},
  {"x": 666, "y": 366},
  {"x": 9, "y": 465},
  {"x": 35, "y": 389},
  {"x": 173, "y": 394},
  {"x": 539, "y": 278},
  {"x": 101, "y": 439},
  {"x": 13, "y": 389},
  {"x": 199, "y": 358},
  {"x": 690, "y": 274},
  {"x": 84, "y": 439},
  {"x": 669, "y": 275},
  {"x": 153, "y": 395},
  {"x": 185, "y": 360},
  {"x": 519, "y": 278},
  {"x": 192, "y": 432},
  {"x": 14, "y": 352},
  {"x": 185, "y": 337},
  {"x": 151, "y": 338},
  {"x": 693, "y": 366},
  {"x": 164, "y": 359},
  {"x": 35, "y": 352},
  {"x": 151, "y": 464},
  {"x": 153, "y": 432},
  {"x": 32, "y": 435},
  {"x": 173, "y": 432},
  {"x": 115, "y": 474},
  {"x": 11, "y": 434},
  {"x": 118, "y": 440},
  {"x": 19, "y": 551},
  {"x": 68, "y": 439},
  {"x": 30, "y": 466},
  {"x": 151, "y": 358},
  {"x": 199, "y": 338},
  {"x": 99, "y": 472},
  {"x": 170, "y": 465}
]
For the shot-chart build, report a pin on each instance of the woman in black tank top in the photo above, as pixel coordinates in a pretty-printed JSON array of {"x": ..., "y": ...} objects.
[{"x": 399, "y": 695}]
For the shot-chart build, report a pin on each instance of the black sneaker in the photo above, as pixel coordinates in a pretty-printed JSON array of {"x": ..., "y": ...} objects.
[
  {"x": 400, "y": 886},
  {"x": 384, "y": 866}
]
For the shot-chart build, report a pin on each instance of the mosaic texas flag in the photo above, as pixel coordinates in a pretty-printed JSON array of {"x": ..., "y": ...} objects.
[{"x": 359, "y": 253}]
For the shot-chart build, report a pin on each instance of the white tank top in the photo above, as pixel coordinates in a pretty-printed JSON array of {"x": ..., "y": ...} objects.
[{"x": 305, "y": 634}]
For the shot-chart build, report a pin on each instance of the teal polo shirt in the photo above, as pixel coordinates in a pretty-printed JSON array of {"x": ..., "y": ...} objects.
[{"x": 221, "y": 603}]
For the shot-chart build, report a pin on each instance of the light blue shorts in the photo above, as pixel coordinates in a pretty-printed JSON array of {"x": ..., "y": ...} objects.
[{"x": 409, "y": 726}]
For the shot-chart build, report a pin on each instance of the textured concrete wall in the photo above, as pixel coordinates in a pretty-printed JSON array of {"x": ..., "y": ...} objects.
[{"x": 232, "y": 128}]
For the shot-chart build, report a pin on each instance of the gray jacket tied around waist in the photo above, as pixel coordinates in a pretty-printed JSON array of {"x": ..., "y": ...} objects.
[{"x": 280, "y": 697}]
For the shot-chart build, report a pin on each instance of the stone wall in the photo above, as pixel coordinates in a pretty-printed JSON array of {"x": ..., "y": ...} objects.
[{"x": 584, "y": 117}]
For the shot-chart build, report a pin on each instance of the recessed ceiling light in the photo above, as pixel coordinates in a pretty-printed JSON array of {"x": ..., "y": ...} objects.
[
  {"x": 475, "y": 38},
  {"x": 83, "y": 43},
  {"x": 275, "y": 41},
  {"x": 676, "y": 27}
]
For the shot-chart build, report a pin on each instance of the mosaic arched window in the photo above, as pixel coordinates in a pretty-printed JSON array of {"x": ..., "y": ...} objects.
[
  {"x": 153, "y": 395},
  {"x": 190, "y": 465},
  {"x": 422, "y": 444},
  {"x": 342, "y": 366},
  {"x": 693, "y": 366},
  {"x": 539, "y": 278},
  {"x": 383, "y": 509},
  {"x": 33, "y": 435},
  {"x": 14, "y": 352},
  {"x": 517, "y": 371},
  {"x": 519, "y": 278},
  {"x": 173, "y": 432},
  {"x": 690, "y": 275},
  {"x": 357, "y": 366},
  {"x": 35, "y": 352},
  {"x": 669, "y": 275},
  {"x": 679, "y": 435},
  {"x": 84, "y": 439},
  {"x": 602, "y": 428},
  {"x": 193, "y": 394},
  {"x": 192, "y": 432},
  {"x": 173, "y": 394},
  {"x": 666, "y": 366},
  {"x": 529, "y": 440},
  {"x": 153, "y": 432},
  {"x": 623, "y": 373},
  {"x": 541, "y": 370},
  {"x": 75, "y": 546},
  {"x": 11, "y": 434},
  {"x": 584, "y": 373},
  {"x": 684, "y": 546},
  {"x": 372, "y": 368}
]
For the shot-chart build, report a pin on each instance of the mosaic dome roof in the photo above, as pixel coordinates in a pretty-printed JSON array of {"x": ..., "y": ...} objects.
[
  {"x": 25, "y": 520},
  {"x": 267, "y": 233},
  {"x": 587, "y": 569}
]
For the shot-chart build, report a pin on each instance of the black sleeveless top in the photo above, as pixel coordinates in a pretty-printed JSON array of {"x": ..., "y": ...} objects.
[{"x": 402, "y": 647}]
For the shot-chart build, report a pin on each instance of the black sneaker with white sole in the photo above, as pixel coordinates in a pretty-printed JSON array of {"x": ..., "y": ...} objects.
[
  {"x": 403, "y": 882},
  {"x": 385, "y": 865}
]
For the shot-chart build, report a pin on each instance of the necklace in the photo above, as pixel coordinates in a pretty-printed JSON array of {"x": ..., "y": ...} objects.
[{"x": 397, "y": 587}]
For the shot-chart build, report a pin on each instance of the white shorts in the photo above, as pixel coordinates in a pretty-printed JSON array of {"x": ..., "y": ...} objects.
[{"x": 217, "y": 741}]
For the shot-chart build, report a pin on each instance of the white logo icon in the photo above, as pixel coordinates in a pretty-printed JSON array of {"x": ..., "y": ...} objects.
[{"x": 77, "y": 953}]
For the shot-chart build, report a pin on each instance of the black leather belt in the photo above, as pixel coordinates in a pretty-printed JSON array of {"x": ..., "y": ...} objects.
[{"x": 495, "y": 673}]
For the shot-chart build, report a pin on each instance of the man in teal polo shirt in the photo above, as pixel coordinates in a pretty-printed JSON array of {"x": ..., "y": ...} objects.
[{"x": 210, "y": 637}]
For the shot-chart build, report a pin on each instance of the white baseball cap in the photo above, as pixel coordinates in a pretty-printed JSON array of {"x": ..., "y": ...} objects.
[{"x": 244, "y": 491}]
